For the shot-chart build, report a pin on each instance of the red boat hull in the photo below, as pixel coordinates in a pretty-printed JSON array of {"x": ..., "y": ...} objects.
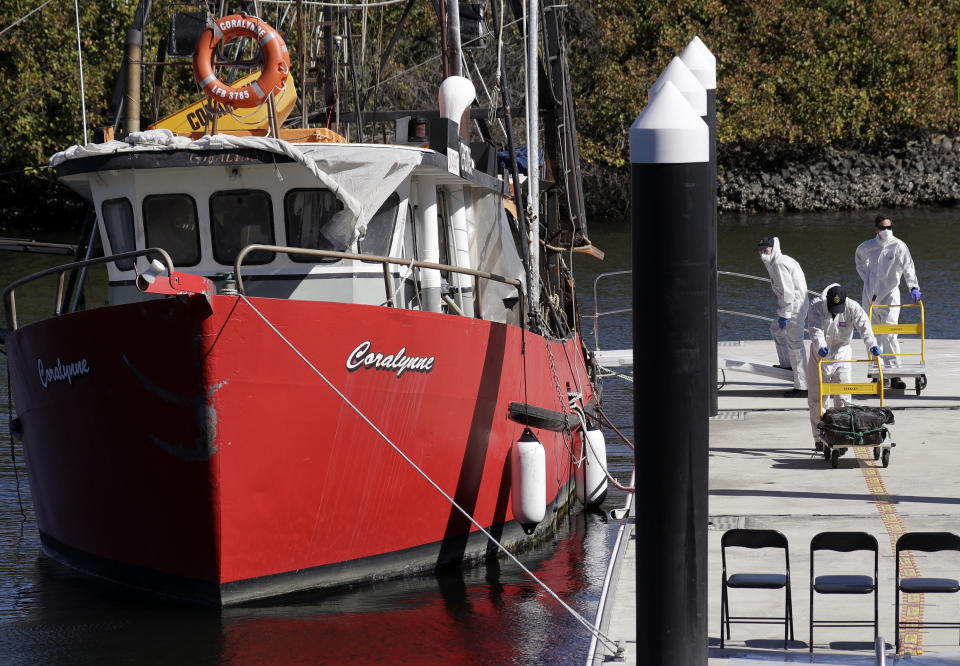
[{"x": 198, "y": 454}]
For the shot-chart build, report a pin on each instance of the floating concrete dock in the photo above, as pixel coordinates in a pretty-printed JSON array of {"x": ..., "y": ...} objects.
[{"x": 765, "y": 474}]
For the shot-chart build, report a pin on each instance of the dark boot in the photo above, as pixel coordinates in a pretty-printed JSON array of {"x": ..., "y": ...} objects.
[{"x": 897, "y": 383}]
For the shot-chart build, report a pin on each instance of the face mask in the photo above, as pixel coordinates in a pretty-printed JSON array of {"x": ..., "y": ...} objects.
[
  {"x": 885, "y": 234},
  {"x": 766, "y": 258}
]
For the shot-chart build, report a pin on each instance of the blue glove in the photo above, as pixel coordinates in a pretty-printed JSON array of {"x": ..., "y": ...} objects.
[
  {"x": 782, "y": 321},
  {"x": 875, "y": 350},
  {"x": 823, "y": 351},
  {"x": 914, "y": 294}
]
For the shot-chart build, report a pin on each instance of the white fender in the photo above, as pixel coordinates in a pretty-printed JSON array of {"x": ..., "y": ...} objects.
[
  {"x": 594, "y": 474},
  {"x": 528, "y": 475}
]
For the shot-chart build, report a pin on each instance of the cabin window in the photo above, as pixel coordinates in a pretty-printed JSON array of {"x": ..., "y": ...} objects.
[
  {"x": 239, "y": 218},
  {"x": 170, "y": 222},
  {"x": 380, "y": 228},
  {"x": 117, "y": 217},
  {"x": 307, "y": 212}
]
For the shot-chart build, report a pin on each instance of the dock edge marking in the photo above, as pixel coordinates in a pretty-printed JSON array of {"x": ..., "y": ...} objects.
[{"x": 911, "y": 610}]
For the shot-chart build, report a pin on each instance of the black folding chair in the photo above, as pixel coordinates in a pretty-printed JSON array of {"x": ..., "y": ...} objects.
[
  {"x": 844, "y": 542},
  {"x": 928, "y": 542},
  {"x": 766, "y": 581}
]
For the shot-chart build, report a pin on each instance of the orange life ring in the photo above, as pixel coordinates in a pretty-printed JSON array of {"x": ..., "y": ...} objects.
[{"x": 276, "y": 60}]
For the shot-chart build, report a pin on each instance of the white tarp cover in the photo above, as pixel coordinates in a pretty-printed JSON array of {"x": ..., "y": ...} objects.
[
  {"x": 362, "y": 177},
  {"x": 493, "y": 249}
]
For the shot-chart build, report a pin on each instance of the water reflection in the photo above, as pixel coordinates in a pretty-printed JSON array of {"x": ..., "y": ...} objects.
[{"x": 487, "y": 615}]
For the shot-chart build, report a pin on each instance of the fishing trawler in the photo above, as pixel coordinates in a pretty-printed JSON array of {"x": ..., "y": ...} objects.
[{"x": 325, "y": 359}]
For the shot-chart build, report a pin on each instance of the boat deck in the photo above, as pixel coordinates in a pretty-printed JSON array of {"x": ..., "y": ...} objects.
[{"x": 765, "y": 473}]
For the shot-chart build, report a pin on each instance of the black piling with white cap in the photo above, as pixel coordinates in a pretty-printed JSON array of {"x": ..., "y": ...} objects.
[
  {"x": 678, "y": 73},
  {"x": 703, "y": 64},
  {"x": 686, "y": 82},
  {"x": 670, "y": 175}
]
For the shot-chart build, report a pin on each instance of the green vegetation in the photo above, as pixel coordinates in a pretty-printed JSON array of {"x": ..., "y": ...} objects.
[
  {"x": 788, "y": 71},
  {"x": 791, "y": 73},
  {"x": 40, "y": 88}
]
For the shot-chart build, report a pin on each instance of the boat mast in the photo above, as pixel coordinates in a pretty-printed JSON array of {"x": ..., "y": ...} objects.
[
  {"x": 456, "y": 93},
  {"x": 132, "y": 70},
  {"x": 533, "y": 161},
  {"x": 452, "y": 52}
]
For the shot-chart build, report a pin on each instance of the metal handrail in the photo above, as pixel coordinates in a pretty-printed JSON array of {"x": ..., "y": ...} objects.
[
  {"x": 9, "y": 299},
  {"x": 375, "y": 258},
  {"x": 596, "y": 315},
  {"x": 745, "y": 314},
  {"x": 810, "y": 292},
  {"x": 39, "y": 247}
]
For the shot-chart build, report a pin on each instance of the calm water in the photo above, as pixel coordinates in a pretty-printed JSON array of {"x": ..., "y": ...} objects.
[
  {"x": 49, "y": 615},
  {"x": 823, "y": 243}
]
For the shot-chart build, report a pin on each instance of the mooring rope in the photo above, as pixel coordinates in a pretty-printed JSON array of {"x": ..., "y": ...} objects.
[
  {"x": 583, "y": 425},
  {"x": 608, "y": 643},
  {"x": 607, "y": 372}
]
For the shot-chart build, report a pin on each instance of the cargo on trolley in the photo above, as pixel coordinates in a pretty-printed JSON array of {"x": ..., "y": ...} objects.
[{"x": 854, "y": 425}]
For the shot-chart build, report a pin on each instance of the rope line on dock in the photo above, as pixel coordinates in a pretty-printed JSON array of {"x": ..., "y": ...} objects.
[
  {"x": 607, "y": 372},
  {"x": 595, "y": 631},
  {"x": 911, "y": 608}
]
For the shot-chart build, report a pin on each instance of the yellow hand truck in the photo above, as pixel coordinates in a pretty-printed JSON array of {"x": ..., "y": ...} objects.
[
  {"x": 915, "y": 370},
  {"x": 833, "y": 450}
]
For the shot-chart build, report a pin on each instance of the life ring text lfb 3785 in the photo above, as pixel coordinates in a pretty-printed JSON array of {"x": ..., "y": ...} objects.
[{"x": 276, "y": 60}]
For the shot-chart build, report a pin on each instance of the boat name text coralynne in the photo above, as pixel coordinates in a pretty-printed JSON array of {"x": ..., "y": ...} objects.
[
  {"x": 61, "y": 372},
  {"x": 360, "y": 358}
]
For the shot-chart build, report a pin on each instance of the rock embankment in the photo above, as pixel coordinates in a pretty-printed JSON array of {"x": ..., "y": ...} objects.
[{"x": 921, "y": 171}]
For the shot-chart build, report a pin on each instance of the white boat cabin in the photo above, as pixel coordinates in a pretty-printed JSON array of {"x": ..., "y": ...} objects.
[{"x": 203, "y": 201}]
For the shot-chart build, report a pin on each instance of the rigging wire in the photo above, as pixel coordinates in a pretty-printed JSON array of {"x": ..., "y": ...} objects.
[
  {"x": 25, "y": 16},
  {"x": 426, "y": 62},
  {"x": 595, "y": 631}
]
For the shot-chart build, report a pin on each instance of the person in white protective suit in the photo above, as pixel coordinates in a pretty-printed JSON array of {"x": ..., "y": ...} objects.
[
  {"x": 881, "y": 262},
  {"x": 832, "y": 319},
  {"x": 790, "y": 287}
]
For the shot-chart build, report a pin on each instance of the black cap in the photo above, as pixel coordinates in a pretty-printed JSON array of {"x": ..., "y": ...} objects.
[
  {"x": 836, "y": 299},
  {"x": 765, "y": 242}
]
